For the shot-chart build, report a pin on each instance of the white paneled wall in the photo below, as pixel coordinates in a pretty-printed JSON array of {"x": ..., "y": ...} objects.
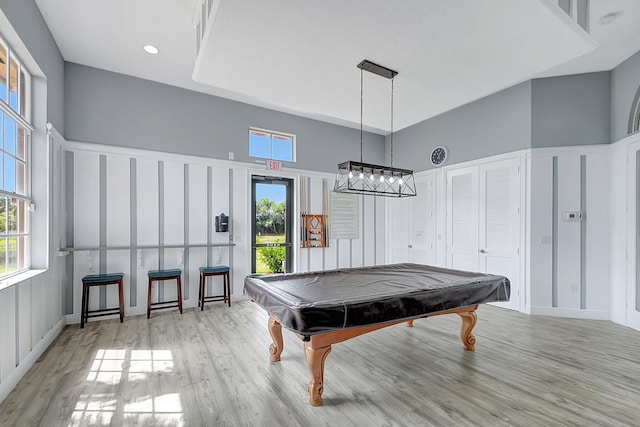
[
  {"x": 31, "y": 303},
  {"x": 118, "y": 193},
  {"x": 569, "y": 274},
  {"x": 598, "y": 213},
  {"x": 173, "y": 201},
  {"x": 539, "y": 292},
  {"x": 29, "y": 322},
  {"x": 168, "y": 204},
  {"x": 568, "y": 240},
  {"x": 366, "y": 250}
]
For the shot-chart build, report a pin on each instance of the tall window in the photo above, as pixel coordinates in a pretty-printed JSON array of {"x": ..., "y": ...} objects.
[
  {"x": 634, "y": 114},
  {"x": 15, "y": 137},
  {"x": 271, "y": 145}
]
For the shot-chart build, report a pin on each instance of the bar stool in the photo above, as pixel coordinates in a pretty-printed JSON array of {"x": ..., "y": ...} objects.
[
  {"x": 100, "y": 280},
  {"x": 218, "y": 270},
  {"x": 159, "y": 275}
]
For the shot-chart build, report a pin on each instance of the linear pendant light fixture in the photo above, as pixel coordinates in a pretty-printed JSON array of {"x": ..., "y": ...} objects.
[{"x": 366, "y": 178}]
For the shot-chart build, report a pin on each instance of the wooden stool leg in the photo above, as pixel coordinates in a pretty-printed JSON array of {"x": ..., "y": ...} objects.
[
  {"x": 121, "y": 300},
  {"x": 180, "y": 293},
  {"x": 149, "y": 300},
  {"x": 83, "y": 310},
  {"x": 201, "y": 293}
]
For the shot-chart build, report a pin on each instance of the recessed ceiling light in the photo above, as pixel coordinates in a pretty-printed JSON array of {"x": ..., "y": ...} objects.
[
  {"x": 608, "y": 18},
  {"x": 150, "y": 49}
]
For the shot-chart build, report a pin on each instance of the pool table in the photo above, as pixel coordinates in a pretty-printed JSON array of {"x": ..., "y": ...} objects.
[{"x": 328, "y": 307}]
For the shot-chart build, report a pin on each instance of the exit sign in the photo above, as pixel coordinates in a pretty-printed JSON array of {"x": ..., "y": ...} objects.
[{"x": 274, "y": 165}]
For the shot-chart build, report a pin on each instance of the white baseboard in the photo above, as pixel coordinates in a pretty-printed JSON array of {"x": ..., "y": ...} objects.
[
  {"x": 21, "y": 370},
  {"x": 139, "y": 310},
  {"x": 574, "y": 313}
]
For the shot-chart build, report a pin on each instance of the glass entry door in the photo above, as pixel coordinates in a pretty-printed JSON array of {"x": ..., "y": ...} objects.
[{"x": 272, "y": 225}]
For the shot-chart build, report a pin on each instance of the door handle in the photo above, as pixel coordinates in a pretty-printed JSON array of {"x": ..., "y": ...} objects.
[
  {"x": 482, "y": 251},
  {"x": 410, "y": 246}
]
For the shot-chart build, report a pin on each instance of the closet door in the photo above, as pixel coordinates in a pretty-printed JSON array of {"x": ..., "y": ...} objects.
[
  {"x": 499, "y": 223},
  {"x": 411, "y": 225},
  {"x": 422, "y": 229},
  {"x": 398, "y": 229},
  {"x": 462, "y": 219}
]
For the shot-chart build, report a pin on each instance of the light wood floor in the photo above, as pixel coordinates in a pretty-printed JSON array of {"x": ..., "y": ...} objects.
[{"x": 212, "y": 368}]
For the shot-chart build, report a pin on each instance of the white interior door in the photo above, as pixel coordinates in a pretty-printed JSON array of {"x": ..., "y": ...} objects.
[
  {"x": 499, "y": 224},
  {"x": 411, "y": 225},
  {"x": 633, "y": 238},
  {"x": 462, "y": 219},
  {"x": 398, "y": 229},
  {"x": 422, "y": 228}
]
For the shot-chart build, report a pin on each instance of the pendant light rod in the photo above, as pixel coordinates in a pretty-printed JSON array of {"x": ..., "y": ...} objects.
[
  {"x": 361, "y": 103},
  {"x": 391, "y": 134}
]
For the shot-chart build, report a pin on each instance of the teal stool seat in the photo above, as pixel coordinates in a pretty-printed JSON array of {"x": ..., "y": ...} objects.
[
  {"x": 101, "y": 280},
  {"x": 164, "y": 273},
  {"x": 160, "y": 275},
  {"x": 216, "y": 270}
]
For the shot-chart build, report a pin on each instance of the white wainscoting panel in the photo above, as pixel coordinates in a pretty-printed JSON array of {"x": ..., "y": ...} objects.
[
  {"x": 118, "y": 189},
  {"x": 7, "y": 332},
  {"x": 198, "y": 204},
  {"x": 86, "y": 191},
  {"x": 568, "y": 232},
  {"x": 598, "y": 236},
  {"x": 220, "y": 199},
  {"x": 147, "y": 206},
  {"x": 173, "y": 205}
]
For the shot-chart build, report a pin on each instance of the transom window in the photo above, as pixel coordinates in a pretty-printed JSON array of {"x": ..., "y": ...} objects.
[
  {"x": 15, "y": 138},
  {"x": 266, "y": 144}
]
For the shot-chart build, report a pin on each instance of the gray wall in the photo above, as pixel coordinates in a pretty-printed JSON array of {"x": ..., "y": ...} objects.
[
  {"x": 496, "y": 124},
  {"x": 108, "y": 108},
  {"x": 625, "y": 82},
  {"x": 570, "y": 110},
  {"x": 26, "y": 19}
]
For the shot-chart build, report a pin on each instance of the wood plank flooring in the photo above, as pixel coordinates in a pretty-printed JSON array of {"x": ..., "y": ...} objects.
[{"x": 212, "y": 368}]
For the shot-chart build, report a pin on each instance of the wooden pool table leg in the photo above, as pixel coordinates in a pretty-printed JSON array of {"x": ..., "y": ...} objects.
[
  {"x": 315, "y": 359},
  {"x": 275, "y": 349},
  {"x": 410, "y": 323},
  {"x": 468, "y": 322}
]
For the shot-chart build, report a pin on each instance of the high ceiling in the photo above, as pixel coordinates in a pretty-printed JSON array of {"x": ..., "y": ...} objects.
[{"x": 300, "y": 56}]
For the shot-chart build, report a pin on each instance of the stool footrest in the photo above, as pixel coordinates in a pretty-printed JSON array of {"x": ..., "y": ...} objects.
[
  {"x": 165, "y": 302},
  {"x": 216, "y": 298},
  {"x": 104, "y": 312}
]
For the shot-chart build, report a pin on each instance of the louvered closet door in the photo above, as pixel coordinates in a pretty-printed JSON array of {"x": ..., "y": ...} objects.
[
  {"x": 499, "y": 223},
  {"x": 462, "y": 219}
]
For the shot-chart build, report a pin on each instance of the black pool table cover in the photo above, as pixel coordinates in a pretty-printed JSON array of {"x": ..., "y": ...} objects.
[{"x": 323, "y": 301}]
